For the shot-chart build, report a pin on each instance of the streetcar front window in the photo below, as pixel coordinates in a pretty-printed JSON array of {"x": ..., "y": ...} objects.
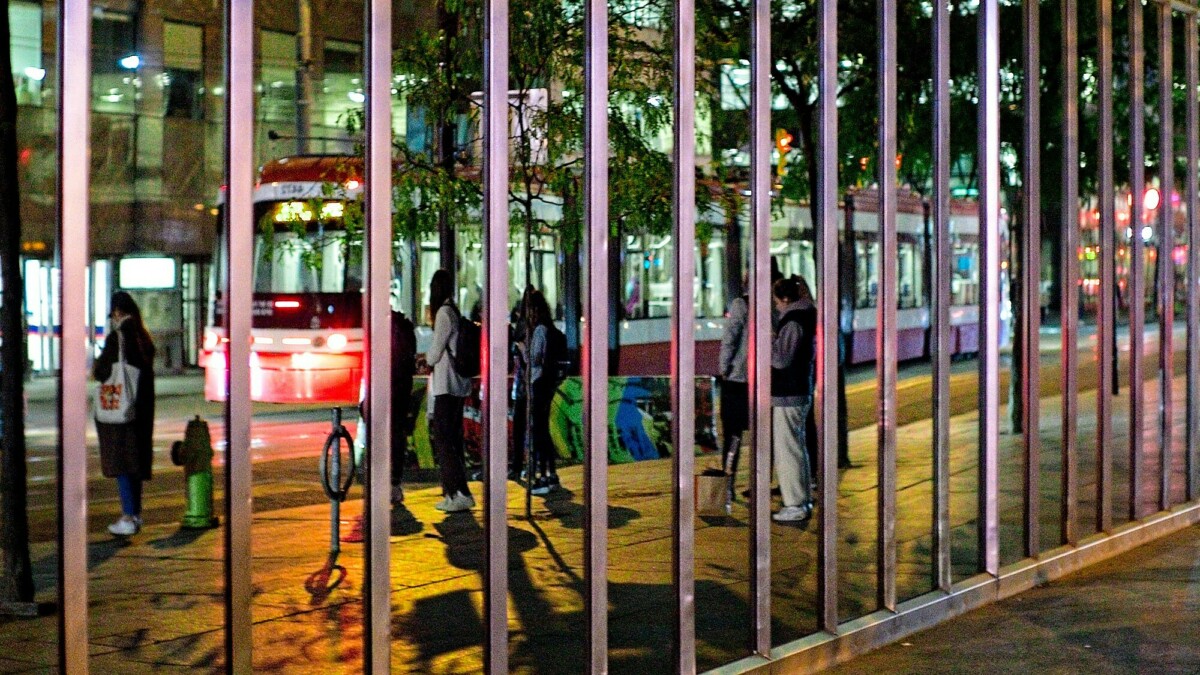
[{"x": 302, "y": 247}]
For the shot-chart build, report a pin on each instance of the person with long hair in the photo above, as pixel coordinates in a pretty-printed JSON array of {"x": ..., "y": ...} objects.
[
  {"x": 448, "y": 391},
  {"x": 542, "y": 369},
  {"x": 792, "y": 353},
  {"x": 127, "y": 450}
]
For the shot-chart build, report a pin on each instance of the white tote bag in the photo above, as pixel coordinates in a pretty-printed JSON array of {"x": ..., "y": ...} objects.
[{"x": 116, "y": 395}]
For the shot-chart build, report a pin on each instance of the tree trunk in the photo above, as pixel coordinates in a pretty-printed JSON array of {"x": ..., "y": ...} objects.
[
  {"x": 846, "y": 290},
  {"x": 446, "y": 127},
  {"x": 572, "y": 291},
  {"x": 615, "y": 306},
  {"x": 733, "y": 253},
  {"x": 16, "y": 579},
  {"x": 1016, "y": 295}
]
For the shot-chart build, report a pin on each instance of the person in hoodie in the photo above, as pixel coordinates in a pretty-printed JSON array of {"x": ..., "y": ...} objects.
[{"x": 792, "y": 354}]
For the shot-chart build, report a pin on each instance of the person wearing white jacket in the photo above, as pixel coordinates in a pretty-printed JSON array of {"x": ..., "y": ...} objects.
[{"x": 448, "y": 391}]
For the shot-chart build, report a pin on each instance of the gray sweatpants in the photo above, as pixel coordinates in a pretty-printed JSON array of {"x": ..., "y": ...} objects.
[{"x": 791, "y": 455}]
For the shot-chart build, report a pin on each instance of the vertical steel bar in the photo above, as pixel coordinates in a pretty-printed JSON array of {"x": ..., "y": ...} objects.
[
  {"x": 378, "y": 246},
  {"x": 494, "y": 353},
  {"x": 828, "y": 325},
  {"x": 1070, "y": 270},
  {"x": 1105, "y": 319},
  {"x": 1192, "y": 456},
  {"x": 1137, "y": 275},
  {"x": 1166, "y": 247},
  {"x": 239, "y": 229},
  {"x": 595, "y": 333},
  {"x": 1031, "y": 273},
  {"x": 989, "y": 311},
  {"x": 759, "y": 346},
  {"x": 74, "y": 85},
  {"x": 942, "y": 574},
  {"x": 683, "y": 340},
  {"x": 885, "y": 333}
]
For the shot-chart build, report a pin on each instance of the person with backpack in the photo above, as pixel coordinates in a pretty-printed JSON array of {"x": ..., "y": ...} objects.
[
  {"x": 448, "y": 390},
  {"x": 792, "y": 354},
  {"x": 547, "y": 351},
  {"x": 404, "y": 366}
]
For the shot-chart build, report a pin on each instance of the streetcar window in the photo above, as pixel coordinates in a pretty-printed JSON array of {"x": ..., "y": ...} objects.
[
  {"x": 964, "y": 285},
  {"x": 911, "y": 275},
  {"x": 303, "y": 249},
  {"x": 866, "y": 271}
]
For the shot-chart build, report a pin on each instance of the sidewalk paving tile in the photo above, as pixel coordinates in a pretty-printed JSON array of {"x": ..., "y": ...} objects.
[{"x": 157, "y": 599}]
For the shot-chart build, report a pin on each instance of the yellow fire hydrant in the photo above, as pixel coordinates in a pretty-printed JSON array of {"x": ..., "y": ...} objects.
[{"x": 195, "y": 454}]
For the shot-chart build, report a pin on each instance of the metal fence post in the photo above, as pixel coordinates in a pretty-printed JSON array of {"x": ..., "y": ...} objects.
[
  {"x": 1105, "y": 318},
  {"x": 74, "y": 165},
  {"x": 239, "y": 228},
  {"x": 1137, "y": 274},
  {"x": 1166, "y": 247},
  {"x": 683, "y": 341},
  {"x": 1031, "y": 273},
  {"x": 595, "y": 333},
  {"x": 1069, "y": 274},
  {"x": 989, "y": 311},
  {"x": 940, "y": 317},
  {"x": 378, "y": 249},
  {"x": 494, "y": 353},
  {"x": 885, "y": 333}
]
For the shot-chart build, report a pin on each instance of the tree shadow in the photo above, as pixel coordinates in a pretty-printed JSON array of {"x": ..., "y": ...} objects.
[{"x": 550, "y": 632}]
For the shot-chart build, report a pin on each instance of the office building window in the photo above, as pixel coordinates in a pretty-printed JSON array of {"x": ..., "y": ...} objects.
[
  {"x": 183, "y": 70},
  {"x": 277, "y": 80},
  {"x": 115, "y": 63},
  {"x": 25, "y": 22}
]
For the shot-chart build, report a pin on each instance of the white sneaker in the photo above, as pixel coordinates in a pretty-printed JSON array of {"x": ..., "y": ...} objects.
[
  {"x": 460, "y": 502},
  {"x": 126, "y": 526},
  {"x": 444, "y": 503},
  {"x": 791, "y": 514},
  {"x": 397, "y": 494}
]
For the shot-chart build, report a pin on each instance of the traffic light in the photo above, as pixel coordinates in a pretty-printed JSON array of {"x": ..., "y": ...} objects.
[{"x": 783, "y": 144}]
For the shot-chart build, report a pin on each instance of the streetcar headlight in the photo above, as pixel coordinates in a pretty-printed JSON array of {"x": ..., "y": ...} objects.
[{"x": 336, "y": 342}]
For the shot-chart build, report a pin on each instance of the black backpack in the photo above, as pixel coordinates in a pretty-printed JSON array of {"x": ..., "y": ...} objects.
[
  {"x": 404, "y": 347},
  {"x": 557, "y": 361},
  {"x": 465, "y": 358}
]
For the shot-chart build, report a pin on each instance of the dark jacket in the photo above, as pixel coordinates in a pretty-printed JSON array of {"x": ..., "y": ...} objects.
[
  {"x": 792, "y": 355},
  {"x": 404, "y": 367},
  {"x": 128, "y": 448}
]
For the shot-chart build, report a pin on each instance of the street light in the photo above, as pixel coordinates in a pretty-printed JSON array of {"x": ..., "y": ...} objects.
[{"x": 131, "y": 62}]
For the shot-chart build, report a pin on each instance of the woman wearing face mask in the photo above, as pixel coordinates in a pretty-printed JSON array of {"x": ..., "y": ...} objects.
[{"x": 127, "y": 450}]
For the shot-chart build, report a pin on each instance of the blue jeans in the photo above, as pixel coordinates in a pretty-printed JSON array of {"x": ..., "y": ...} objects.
[{"x": 129, "y": 486}]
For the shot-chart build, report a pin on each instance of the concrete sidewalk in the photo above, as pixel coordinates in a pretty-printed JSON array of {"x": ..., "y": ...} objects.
[
  {"x": 156, "y": 599},
  {"x": 1136, "y": 613}
]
